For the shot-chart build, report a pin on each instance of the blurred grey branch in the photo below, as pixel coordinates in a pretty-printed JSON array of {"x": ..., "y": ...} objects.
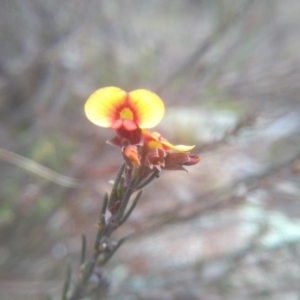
[
  {"x": 221, "y": 28},
  {"x": 34, "y": 167}
]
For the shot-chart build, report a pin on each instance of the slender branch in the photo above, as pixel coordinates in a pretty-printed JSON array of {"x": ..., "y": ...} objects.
[
  {"x": 204, "y": 46},
  {"x": 36, "y": 168},
  {"x": 104, "y": 248}
]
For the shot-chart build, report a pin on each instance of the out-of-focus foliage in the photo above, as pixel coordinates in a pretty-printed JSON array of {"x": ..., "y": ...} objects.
[{"x": 228, "y": 72}]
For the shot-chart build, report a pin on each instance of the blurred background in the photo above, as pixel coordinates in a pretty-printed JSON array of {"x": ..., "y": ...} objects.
[{"x": 228, "y": 72}]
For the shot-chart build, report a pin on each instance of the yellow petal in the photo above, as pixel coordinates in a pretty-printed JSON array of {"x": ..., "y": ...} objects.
[
  {"x": 181, "y": 148},
  {"x": 149, "y": 108},
  {"x": 103, "y": 106},
  {"x": 155, "y": 140}
]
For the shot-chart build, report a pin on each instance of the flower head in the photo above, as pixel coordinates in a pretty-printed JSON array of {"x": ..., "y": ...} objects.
[
  {"x": 131, "y": 114},
  {"x": 115, "y": 108}
]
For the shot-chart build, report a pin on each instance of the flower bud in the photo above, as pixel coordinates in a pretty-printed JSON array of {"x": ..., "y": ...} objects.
[
  {"x": 176, "y": 160},
  {"x": 155, "y": 158},
  {"x": 131, "y": 153}
]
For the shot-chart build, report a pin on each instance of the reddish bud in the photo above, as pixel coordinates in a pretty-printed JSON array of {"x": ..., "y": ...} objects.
[
  {"x": 176, "y": 160},
  {"x": 155, "y": 158},
  {"x": 131, "y": 153}
]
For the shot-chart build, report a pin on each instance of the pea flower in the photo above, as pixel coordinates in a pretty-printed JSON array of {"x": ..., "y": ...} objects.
[{"x": 131, "y": 115}]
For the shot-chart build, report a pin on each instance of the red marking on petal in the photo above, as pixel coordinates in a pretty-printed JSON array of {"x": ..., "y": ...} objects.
[
  {"x": 117, "y": 124},
  {"x": 129, "y": 125}
]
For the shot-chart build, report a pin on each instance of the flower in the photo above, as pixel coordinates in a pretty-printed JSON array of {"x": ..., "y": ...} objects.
[
  {"x": 159, "y": 154},
  {"x": 130, "y": 115},
  {"x": 155, "y": 140},
  {"x": 117, "y": 109}
]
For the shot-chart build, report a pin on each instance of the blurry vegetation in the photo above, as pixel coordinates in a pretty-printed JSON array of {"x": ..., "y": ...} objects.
[
  {"x": 53, "y": 151},
  {"x": 228, "y": 72}
]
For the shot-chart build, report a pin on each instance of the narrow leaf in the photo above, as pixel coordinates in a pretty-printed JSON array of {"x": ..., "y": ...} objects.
[
  {"x": 113, "y": 193},
  {"x": 102, "y": 223},
  {"x": 67, "y": 282},
  {"x": 83, "y": 249},
  {"x": 125, "y": 199},
  {"x": 130, "y": 210}
]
